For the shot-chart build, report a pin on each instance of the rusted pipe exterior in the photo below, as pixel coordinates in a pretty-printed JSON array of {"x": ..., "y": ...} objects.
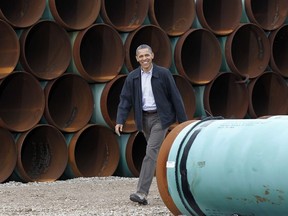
[
  {"x": 41, "y": 154},
  {"x": 156, "y": 38},
  {"x": 132, "y": 152},
  {"x": 123, "y": 15},
  {"x": 72, "y": 15},
  {"x": 69, "y": 102},
  {"x": 268, "y": 14},
  {"x": 8, "y": 154},
  {"x": 93, "y": 49},
  {"x": 247, "y": 50},
  {"x": 192, "y": 52},
  {"x": 175, "y": 17},
  {"x": 279, "y": 50},
  {"x": 220, "y": 17},
  {"x": 268, "y": 95},
  {"x": 106, "y": 99},
  {"x": 92, "y": 151},
  {"x": 225, "y": 96},
  {"x": 9, "y": 49},
  {"x": 22, "y": 101},
  {"x": 45, "y": 50},
  {"x": 21, "y": 13}
]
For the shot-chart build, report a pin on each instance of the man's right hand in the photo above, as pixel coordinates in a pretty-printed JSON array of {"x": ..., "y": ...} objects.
[{"x": 118, "y": 129}]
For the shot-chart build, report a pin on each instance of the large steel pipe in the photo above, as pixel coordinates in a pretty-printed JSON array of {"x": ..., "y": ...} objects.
[
  {"x": 69, "y": 102},
  {"x": 22, "y": 101},
  {"x": 45, "y": 50},
  {"x": 192, "y": 51},
  {"x": 246, "y": 51},
  {"x": 220, "y": 17},
  {"x": 155, "y": 37},
  {"x": 132, "y": 152},
  {"x": 268, "y": 14},
  {"x": 268, "y": 95},
  {"x": 73, "y": 14},
  {"x": 92, "y": 53},
  {"x": 92, "y": 151},
  {"x": 123, "y": 15},
  {"x": 279, "y": 50},
  {"x": 21, "y": 13},
  {"x": 106, "y": 100},
  {"x": 8, "y": 154},
  {"x": 225, "y": 96},
  {"x": 174, "y": 17},
  {"x": 9, "y": 49},
  {"x": 42, "y": 154},
  {"x": 188, "y": 95},
  {"x": 228, "y": 167}
]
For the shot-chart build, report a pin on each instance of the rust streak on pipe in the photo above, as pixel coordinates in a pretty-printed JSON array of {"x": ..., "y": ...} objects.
[
  {"x": 173, "y": 16},
  {"x": 75, "y": 14},
  {"x": 155, "y": 37},
  {"x": 21, "y": 13},
  {"x": 9, "y": 49},
  {"x": 8, "y": 154},
  {"x": 124, "y": 16},
  {"x": 45, "y": 50},
  {"x": 69, "y": 102},
  {"x": 268, "y": 95},
  {"x": 22, "y": 101},
  {"x": 92, "y": 53},
  {"x": 42, "y": 154}
]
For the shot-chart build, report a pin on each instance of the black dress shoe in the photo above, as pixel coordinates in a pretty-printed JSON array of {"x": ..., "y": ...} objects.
[{"x": 140, "y": 198}]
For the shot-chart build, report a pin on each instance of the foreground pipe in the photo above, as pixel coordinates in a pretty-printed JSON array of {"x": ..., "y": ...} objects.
[
  {"x": 268, "y": 95},
  {"x": 227, "y": 167},
  {"x": 73, "y": 14},
  {"x": 45, "y": 50},
  {"x": 246, "y": 51},
  {"x": 106, "y": 100},
  {"x": 220, "y": 17},
  {"x": 8, "y": 154},
  {"x": 9, "y": 49},
  {"x": 92, "y": 151},
  {"x": 123, "y": 15},
  {"x": 279, "y": 50},
  {"x": 192, "y": 51},
  {"x": 269, "y": 14},
  {"x": 174, "y": 17},
  {"x": 132, "y": 152},
  {"x": 21, "y": 13},
  {"x": 69, "y": 102},
  {"x": 42, "y": 154},
  {"x": 22, "y": 101},
  {"x": 92, "y": 53},
  {"x": 155, "y": 37},
  {"x": 226, "y": 96}
]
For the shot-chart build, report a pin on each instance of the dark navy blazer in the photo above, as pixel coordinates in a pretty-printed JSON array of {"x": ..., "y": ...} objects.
[{"x": 168, "y": 100}]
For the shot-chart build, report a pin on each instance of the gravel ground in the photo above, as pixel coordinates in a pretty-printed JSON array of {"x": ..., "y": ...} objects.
[{"x": 79, "y": 196}]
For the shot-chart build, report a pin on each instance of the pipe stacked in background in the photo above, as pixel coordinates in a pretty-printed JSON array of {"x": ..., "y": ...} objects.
[{"x": 63, "y": 64}]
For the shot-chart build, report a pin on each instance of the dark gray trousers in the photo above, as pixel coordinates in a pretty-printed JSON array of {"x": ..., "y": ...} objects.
[{"x": 154, "y": 135}]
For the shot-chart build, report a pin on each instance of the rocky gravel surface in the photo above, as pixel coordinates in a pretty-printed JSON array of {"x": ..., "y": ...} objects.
[{"x": 78, "y": 197}]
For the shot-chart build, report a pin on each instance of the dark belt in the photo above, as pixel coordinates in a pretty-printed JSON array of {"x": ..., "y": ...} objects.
[{"x": 149, "y": 112}]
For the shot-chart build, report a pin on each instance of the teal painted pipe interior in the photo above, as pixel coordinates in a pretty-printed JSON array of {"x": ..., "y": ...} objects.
[
  {"x": 97, "y": 117},
  {"x": 225, "y": 167}
]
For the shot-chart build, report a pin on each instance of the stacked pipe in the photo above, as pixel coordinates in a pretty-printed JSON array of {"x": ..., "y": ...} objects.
[{"x": 63, "y": 64}]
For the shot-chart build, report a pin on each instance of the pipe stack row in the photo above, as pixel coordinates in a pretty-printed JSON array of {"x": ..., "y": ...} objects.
[{"x": 63, "y": 65}]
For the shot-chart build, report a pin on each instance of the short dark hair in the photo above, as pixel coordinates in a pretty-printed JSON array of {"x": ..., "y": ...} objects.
[{"x": 143, "y": 46}]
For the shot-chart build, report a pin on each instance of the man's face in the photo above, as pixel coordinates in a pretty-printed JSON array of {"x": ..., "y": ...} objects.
[{"x": 145, "y": 57}]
